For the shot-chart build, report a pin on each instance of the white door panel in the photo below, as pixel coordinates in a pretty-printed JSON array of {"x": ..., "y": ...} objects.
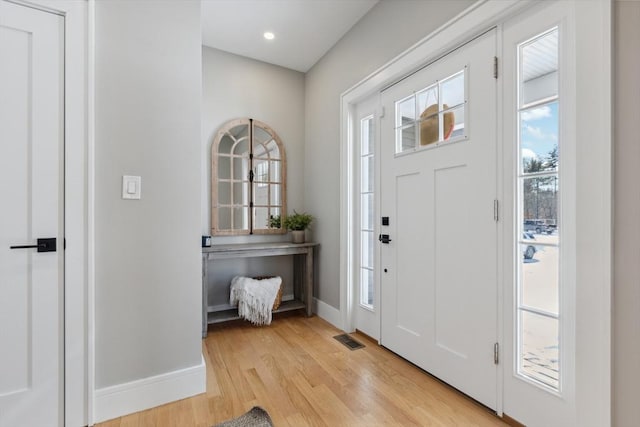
[
  {"x": 31, "y": 282},
  {"x": 409, "y": 299},
  {"x": 439, "y": 294},
  {"x": 451, "y": 281}
]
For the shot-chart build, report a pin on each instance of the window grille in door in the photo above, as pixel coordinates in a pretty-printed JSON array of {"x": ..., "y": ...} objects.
[{"x": 432, "y": 116}]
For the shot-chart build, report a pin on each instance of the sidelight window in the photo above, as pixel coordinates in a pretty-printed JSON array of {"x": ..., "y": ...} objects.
[
  {"x": 539, "y": 343},
  {"x": 367, "y": 185}
]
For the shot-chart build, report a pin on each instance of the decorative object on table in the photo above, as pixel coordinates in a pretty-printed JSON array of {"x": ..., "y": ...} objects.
[
  {"x": 247, "y": 149},
  {"x": 297, "y": 223},
  {"x": 256, "y": 417},
  {"x": 206, "y": 241},
  {"x": 278, "y": 301},
  {"x": 430, "y": 124},
  {"x": 255, "y": 298}
]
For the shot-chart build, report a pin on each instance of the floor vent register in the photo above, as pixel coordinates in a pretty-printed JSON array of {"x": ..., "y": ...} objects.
[{"x": 349, "y": 342}]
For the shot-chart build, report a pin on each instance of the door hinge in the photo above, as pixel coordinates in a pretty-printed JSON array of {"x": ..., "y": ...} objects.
[
  {"x": 496, "y": 353},
  {"x": 495, "y": 67},
  {"x": 381, "y": 112},
  {"x": 496, "y": 210}
]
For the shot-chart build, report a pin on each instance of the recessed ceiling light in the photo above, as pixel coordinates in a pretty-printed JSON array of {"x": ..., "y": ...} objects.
[{"x": 269, "y": 35}]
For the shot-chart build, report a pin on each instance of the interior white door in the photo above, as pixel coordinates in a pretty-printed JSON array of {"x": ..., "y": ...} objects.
[
  {"x": 31, "y": 191},
  {"x": 438, "y": 187}
]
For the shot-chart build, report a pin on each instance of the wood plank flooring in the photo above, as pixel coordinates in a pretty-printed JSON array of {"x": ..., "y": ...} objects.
[{"x": 303, "y": 377}]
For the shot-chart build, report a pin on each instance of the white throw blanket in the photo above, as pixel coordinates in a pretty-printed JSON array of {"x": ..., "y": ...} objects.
[{"x": 255, "y": 298}]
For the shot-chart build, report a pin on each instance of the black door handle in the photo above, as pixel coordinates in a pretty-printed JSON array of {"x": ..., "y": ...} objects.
[
  {"x": 384, "y": 238},
  {"x": 43, "y": 245}
]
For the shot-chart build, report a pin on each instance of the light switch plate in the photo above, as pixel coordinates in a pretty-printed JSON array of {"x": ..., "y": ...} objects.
[{"x": 131, "y": 186}]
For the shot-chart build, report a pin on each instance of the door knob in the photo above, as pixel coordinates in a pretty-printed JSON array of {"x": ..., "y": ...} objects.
[
  {"x": 43, "y": 245},
  {"x": 384, "y": 238}
]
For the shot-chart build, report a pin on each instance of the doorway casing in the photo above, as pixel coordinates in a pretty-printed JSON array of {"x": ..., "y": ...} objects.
[{"x": 474, "y": 20}]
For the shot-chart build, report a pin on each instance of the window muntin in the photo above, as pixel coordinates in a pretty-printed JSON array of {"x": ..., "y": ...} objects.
[
  {"x": 261, "y": 177},
  {"x": 538, "y": 203},
  {"x": 433, "y": 115},
  {"x": 367, "y": 199}
]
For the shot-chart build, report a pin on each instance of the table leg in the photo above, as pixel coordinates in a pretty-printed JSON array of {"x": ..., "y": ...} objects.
[
  {"x": 308, "y": 281},
  {"x": 205, "y": 295}
]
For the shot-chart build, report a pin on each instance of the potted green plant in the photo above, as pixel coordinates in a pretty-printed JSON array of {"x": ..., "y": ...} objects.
[
  {"x": 274, "y": 221},
  {"x": 297, "y": 223}
]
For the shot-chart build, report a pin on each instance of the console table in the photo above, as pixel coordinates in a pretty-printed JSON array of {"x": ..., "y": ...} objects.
[{"x": 303, "y": 271}]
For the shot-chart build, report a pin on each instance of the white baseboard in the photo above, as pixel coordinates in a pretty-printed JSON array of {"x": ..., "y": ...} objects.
[
  {"x": 122, "y": 399},
  {"x": 328, "y": 313}
]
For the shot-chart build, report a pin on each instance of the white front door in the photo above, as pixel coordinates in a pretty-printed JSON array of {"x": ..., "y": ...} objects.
[
  {"x": 438, "y": 188},
  {"x": 31, "y": 193}
]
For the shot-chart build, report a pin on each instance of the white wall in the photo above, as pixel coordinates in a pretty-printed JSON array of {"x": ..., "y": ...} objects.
[
  {"x": 626, "y": 300},
  {"x": 387, "y": 30},
  {"x": 147, "y": 255}
]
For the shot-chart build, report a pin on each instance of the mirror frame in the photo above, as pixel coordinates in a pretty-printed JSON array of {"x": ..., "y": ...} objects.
[{"x": 215, "y": 147}]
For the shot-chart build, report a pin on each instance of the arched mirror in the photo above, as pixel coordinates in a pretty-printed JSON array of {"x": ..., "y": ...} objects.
[{"x": 248, "y": 187}]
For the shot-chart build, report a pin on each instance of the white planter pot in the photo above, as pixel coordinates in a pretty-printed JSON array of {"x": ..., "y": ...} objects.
[{"x": 298, "y": 236}]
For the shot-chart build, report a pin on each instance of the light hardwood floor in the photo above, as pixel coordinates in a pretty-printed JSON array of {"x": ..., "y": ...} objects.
[{"x": 303, "y": 377}]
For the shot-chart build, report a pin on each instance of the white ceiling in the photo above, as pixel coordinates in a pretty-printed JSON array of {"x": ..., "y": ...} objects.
[{"x": 304, "y": 29}]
